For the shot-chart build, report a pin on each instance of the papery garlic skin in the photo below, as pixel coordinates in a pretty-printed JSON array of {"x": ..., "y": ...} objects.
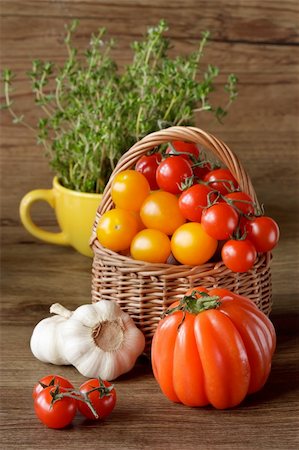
[
  {"x": 110, "y": 354},
  {"x": 46, "y": 340},
  {"x": 99, "y": 339}
]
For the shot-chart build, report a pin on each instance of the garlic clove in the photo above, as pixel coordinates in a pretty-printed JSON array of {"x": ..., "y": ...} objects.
[
  {"x": 105, "y": 343},
  {"x": 131, "y": 348},
  {"x": 98, "y": 363},
  {"x": 46, "y": 340},
  {"x": 87, "y": 315},
  {"x": 91, "y": 315}
]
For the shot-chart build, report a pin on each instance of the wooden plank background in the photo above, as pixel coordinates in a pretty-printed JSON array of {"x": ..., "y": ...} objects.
[{"x": 259, "y": 42}]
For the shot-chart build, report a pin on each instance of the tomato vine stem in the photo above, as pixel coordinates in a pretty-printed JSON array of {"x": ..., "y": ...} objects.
[{"x": 104, "y": 391}]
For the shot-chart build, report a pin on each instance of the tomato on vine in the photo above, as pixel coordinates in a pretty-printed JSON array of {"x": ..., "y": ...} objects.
[
  {"x": 51, "y": 380},
  {"x": 219, "y": 220},
  {"x": 172, "y": 172},
  {"x": 263, "y": 232},
  {"x": 201, "y": 169},
  {"x": 193, "y": 200},
  {"x": 221, "y": 180},
  {"x": 242, "y": 201},
  {"x": 54, "y": 408},
  {"x": 147, "y": 165},
  {"x": 239, "y": 255},
  {"x": 102, "y": 396},
  {"x": 187, "y": 150}
]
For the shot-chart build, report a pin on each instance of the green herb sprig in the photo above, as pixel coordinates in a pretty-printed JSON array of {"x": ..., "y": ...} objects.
[{"x": 91, "y": 113}]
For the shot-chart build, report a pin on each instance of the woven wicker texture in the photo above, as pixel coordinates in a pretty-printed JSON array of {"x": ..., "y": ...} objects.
[{"x": 145, "y": 290}]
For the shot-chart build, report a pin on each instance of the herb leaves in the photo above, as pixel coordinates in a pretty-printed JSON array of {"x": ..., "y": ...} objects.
[{"x": 91, "y": 113}]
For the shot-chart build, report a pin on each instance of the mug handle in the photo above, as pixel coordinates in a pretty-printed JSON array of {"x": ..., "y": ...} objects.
[{"x": 27, "y": 201}]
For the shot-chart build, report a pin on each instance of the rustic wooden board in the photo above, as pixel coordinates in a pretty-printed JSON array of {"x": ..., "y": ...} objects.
[
  {"x": 269, "y": 21},
  {"x": 36, "y": 275}
]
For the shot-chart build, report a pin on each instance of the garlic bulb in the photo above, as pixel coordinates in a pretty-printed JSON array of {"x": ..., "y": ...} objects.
[
  {"x": 99, "y": 339},
  {"x": 46, "y": 339}
]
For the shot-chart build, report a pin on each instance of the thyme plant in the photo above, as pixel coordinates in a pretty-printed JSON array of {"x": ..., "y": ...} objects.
[{"x": 91, "y": 113}]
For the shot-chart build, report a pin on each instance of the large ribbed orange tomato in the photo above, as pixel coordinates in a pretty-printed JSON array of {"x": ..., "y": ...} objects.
[{"x": 212, "y": 348}]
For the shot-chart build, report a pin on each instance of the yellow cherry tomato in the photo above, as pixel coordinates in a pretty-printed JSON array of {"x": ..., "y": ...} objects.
[
  {"x": 191, "y": 245},
  {"x": 160, "y": 211},
  {"x": 129, "y": 189},
  {"x": 116, "y": 229},
  {"x": 150, "y": 246},
  {"x": 141, "y": 225}
]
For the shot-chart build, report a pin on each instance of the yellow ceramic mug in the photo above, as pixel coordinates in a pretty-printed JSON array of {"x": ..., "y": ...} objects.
[{"x": 75, "y": 213}]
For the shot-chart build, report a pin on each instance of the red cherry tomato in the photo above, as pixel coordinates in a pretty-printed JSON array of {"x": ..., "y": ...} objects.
[
  {"x": 193, "y": 200},
  {"x": 219, "y": 221},
  {"x": 172, "y": 172},
  {"x": 221, "y": 180},
  {"x": 263, "y": 232},
  {"x": 243, "y": 221},
  {"x": 193, "y": 155},
  {"x": 239, "y": 256},
  {"x": 102, "y": 396},
  {"x": 191, "y": 150},
  {"x": 54, "y": 414},
  {"x": 242, "y": 202},
  {"x": 147, "y": 165},
  {"x": 200, "y": 171},
  {"x": 51, "y": 380}
]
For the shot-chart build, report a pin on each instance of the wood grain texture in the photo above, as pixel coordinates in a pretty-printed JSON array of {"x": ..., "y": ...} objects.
[
  {"x": 34, "y": 276},
  {"x": 266, "y": 65},
  {"x": 259, "y": 42}
]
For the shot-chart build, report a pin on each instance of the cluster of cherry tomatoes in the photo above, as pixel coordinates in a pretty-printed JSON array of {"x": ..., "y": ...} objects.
[
  {"x": 179, "y": 208},
  {"x": 56, "y": 401}
]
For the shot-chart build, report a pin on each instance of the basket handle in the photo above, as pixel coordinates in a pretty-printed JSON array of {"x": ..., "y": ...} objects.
[
  {"x": 191, "y": 134},
  {"x": 176, "y": 133}
]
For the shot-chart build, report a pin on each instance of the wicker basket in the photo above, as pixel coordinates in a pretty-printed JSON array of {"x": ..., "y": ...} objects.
[{"x": 145, "y": 290}]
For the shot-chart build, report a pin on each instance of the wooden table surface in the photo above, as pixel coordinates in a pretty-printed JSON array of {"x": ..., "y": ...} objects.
[{"x": 257, "y": 41}]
